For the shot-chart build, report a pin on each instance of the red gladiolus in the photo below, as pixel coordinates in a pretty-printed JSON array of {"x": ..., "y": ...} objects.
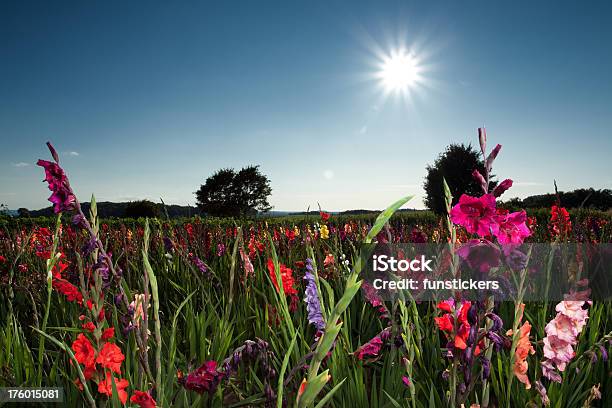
[
  {"x": 89, "y": 326},
  {"x": 445, "y": 306},
  {"x": 108, "y": 333},
  {"x": 143, "y": 399},
  {"x": 445, "y": 323},
  {"x": 286, "y": 278},
  {"x": 2, "y": 259},
  {"x": 106, "y": 387},
  {"x": 67, "y": 289},
  {"x": 84, "y": 351},
  {"x": 111, "y": 357},
  {"x": 324, "y": 216}
]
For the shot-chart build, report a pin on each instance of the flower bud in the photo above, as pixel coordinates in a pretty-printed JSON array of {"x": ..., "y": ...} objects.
[
  {"x": 502, "y": 187},
  {"x": 482, "y": 139}
]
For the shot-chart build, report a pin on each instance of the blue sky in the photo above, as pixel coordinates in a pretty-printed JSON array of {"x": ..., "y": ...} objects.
[{"x": 145, "y": 100}]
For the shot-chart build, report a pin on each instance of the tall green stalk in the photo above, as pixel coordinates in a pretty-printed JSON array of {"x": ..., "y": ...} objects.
[{"x": 51, "y": 262}]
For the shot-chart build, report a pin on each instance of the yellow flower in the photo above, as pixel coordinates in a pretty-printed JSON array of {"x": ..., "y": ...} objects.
[{"x": 324, "y": 232}]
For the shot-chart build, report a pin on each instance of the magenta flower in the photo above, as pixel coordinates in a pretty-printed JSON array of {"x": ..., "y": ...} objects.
[
  {"x": 512, "y": 228},
  {"x": 62, "y": 197},
  {"x": 480, "y": 254},
  {"x": 477, "y": 215},
  {"x": 370, "y": 349}
]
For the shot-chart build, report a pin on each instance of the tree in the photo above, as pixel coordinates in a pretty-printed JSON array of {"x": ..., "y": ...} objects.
[
  {"x": 456, "y": 165},
  {"x": 23, "y": 213},
  {"x": 141, "y": 208},
  {"x": 228, "y": 193}
]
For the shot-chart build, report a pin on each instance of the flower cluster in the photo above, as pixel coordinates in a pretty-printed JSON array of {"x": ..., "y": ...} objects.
[
  {"x": 62, "y": 197},
  {"x": 286, "y": 275},
  {"x": 209, "y": 375},
  {"x": 460, "y": 323},
  {"x": 522, "y": 349},
  {"x": 561, "y": 336},
  {"x": 372, "y": 348},
  {"x": 480, "y": 216},
  {"x": 313, "y": 305},
  {"x": 559, "y": 224}
]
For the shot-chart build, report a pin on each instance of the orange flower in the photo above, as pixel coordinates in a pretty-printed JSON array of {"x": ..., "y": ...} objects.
[
  {"x": 523, "y": 349},
  {"x": 84, "y": 351},
  {"x": 111, "y": 357},
  {"x": 106, "y": 387}
]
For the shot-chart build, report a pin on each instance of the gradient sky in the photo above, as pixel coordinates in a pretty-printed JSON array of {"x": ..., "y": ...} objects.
[{"x": 146, "y": 99}]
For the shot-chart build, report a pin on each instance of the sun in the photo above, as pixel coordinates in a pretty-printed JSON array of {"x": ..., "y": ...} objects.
[{"x": 399, "y": 71}]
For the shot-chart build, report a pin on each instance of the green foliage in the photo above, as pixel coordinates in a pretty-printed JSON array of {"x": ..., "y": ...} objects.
[
  {"x": 141, "y": 209},
  {"x": 235, "y": 194},
  {"x": 455, "y": 165}
]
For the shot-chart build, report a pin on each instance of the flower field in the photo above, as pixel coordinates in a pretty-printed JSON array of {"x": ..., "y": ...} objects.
[{"x": 273, "y": 312}]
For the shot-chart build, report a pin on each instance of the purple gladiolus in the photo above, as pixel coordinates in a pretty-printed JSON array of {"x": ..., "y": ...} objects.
[{"x": 313, "y": 306}]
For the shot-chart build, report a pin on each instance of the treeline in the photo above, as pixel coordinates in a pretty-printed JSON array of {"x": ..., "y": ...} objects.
[
  {"x": 132, "y": 209},
  {"x": 580, "y": 198}
]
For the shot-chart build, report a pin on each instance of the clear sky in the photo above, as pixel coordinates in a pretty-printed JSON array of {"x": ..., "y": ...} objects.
[{"x": 146, "y": 99}]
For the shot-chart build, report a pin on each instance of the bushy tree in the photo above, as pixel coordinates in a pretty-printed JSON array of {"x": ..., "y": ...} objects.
[
  {"x": 23, "y": 212},
  {"x": 456, "y": 165},
  {"x": 228, "y": 193},
  {"x": 141, "y": 208}
]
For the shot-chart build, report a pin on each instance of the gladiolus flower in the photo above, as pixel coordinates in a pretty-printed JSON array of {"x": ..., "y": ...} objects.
[
  {"x": 406, "y": 381},
  {"x": 444, "y": 323},
  {"x": 108, "y": 333},
  {"x": 106, "y": 387},
  {"x": 523, "y": 349},
  {"x": 446, "y": 305},
  {"x": 480, "y": 254},
  {"x": 371, "y": 348},
  {"x": 561, "y": 336},
  {"x": 89, "y": 326},
  {"x": 286, "y": 275},
  {"x": 62, "y": 197},
  {"x": 111, "y": 357},
  {"x": 324, "y": 216},
  {"x": 84, "y": 351},
  {"x": 513, "y": 228},
  {"x": 313, "y": 306},
  {"x": 477, "y": 215},
  {"x": 67, "y": 289},
  {"x": 204, "y": 379},
  {"x": 324, "y": 232},
  {"x": 143, "y": 399}
]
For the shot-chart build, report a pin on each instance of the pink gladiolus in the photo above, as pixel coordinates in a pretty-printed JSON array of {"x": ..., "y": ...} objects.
[
  {"x": 512, "y": 228},
  {"x": 477, "y": 215},
  {"x": 561, "y": 336}
]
